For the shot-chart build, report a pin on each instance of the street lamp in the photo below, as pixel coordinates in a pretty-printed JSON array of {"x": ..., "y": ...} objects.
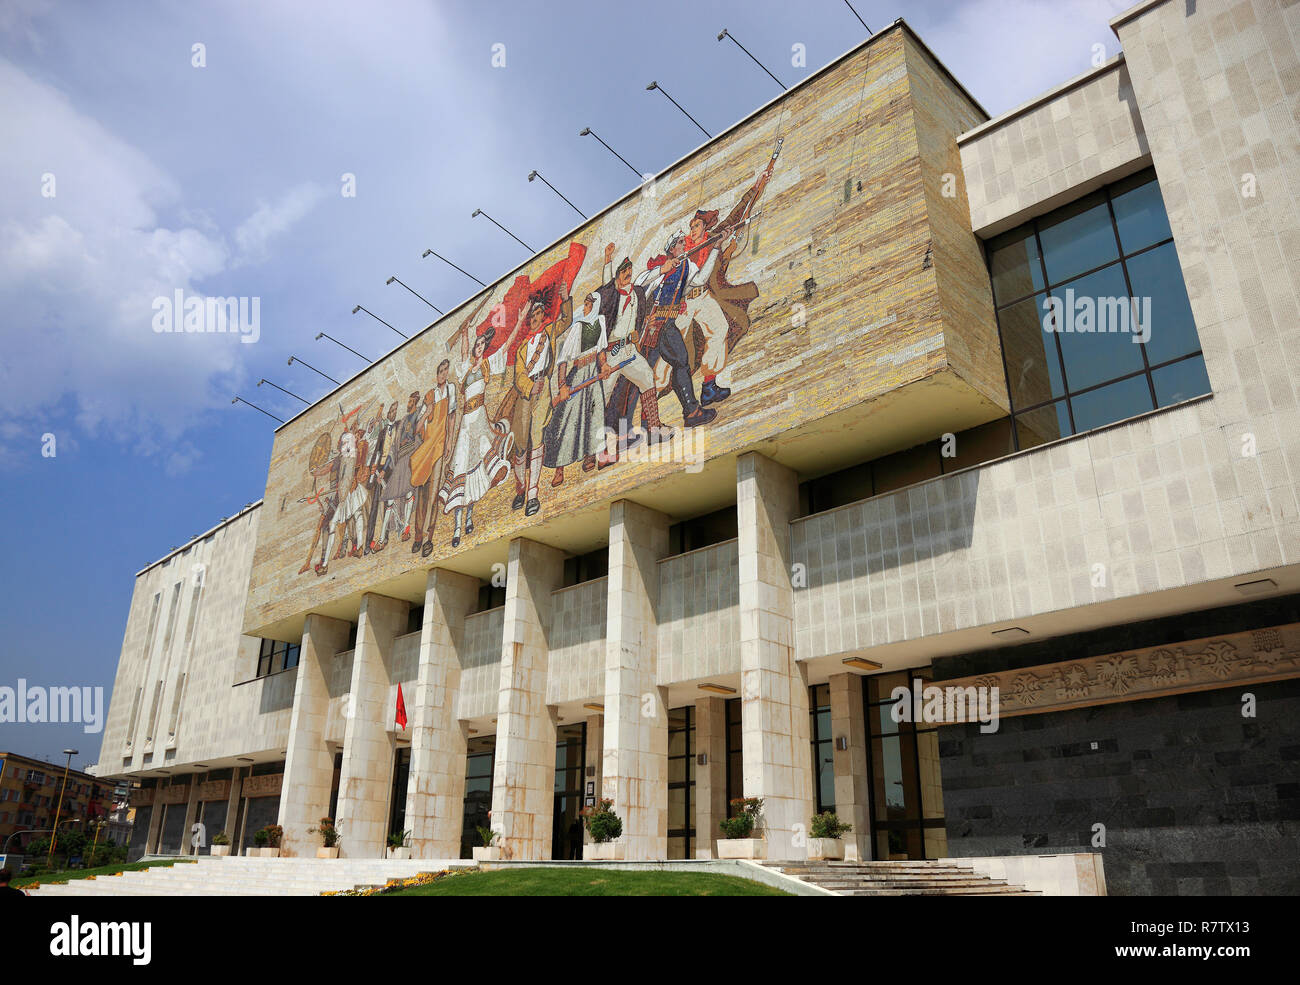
[{"x": 54, "y": 836}]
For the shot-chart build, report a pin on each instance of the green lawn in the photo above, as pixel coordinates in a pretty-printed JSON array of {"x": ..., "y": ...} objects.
[
  {"x": 588, "y": 882},
  {"x": 65, "y": 874}
]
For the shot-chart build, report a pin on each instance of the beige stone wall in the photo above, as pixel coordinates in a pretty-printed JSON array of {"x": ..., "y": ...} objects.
[
  {"x": 838, "y": 252},
  {"x": 480, "y": 672},
  {"x": 577, "y": 669},
  {"x": 206, "y": 669},
  {"x": 1058, "y": 147},
  {"x": 699, "y": 614}
]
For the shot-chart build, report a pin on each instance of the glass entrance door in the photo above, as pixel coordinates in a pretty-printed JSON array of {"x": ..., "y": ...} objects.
[
  {"x": 570, "y": 765},
  {"x": 480, "y": 753},
  {"x": 903, "y": 773},
  {"x": 681, "y": 782}
]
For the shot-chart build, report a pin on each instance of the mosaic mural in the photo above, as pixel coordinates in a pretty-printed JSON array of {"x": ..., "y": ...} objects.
[{"x": 538, "y": 383}]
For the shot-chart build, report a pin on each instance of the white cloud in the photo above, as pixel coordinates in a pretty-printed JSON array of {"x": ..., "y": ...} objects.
[
  {"x": 79, "y": 272},
  {"x": 269, "y": 221}
]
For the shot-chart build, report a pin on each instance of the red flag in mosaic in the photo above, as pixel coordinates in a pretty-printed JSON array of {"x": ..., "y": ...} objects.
[{"x": 551, "y": 288}]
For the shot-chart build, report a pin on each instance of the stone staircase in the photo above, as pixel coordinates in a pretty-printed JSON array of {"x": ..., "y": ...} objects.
[
  {"x": 251, "y": 877},
  {"x": 916, "y": 878}
]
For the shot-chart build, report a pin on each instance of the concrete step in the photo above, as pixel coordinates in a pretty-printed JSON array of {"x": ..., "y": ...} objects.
[{"x": 911, "y": 878}]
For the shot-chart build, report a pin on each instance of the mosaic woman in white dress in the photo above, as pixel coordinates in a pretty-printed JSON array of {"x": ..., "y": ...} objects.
[{"x": 480, "y": 459}]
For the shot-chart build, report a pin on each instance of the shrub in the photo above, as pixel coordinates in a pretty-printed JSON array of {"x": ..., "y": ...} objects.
[
  {"x": 601, "y": 822},
  {"x": 828, "y": 825},
  {"x": 260, "y": 838},
  {"x": 273, "y": 835},
  {"x": 329, "y": 833},
  {"x": 397, "y": 839},
  {"x": 485, "y": 836},
  {"x": 221, "y": 838},
  {"x": 746, "y": 812}
]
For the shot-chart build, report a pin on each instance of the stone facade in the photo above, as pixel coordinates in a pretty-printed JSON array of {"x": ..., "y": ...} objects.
[{"x": 1176, "y": 515}]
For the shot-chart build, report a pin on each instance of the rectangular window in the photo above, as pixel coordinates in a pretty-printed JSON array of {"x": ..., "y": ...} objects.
[
  {"x": 823, "y": 752},
  {"x": 1093, "y": 314}
]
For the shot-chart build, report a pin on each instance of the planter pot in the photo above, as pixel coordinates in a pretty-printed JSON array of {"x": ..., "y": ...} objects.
[
  {"x": 603, "y": 851},
  {"x": 820, "y": 849},
  {"x": 751, "y": 848},
  {"x": 269, "y": 852},
  {"x": 487, "y": 853},
  {"x": 399, "y": 853},
  {"x": 220, "y": 851},
  {"x": 328, "y": 852}
]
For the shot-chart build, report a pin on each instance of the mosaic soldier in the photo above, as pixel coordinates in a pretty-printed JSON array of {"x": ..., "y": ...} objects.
[
  {"x": 624, "y": 308},
  {"x": 530, "y": 402},
  {"x": 320, "y": 465},
  {"x": 479, "y": 457},
  {"x": 381, "y": 461},
  {"x": 576, "y": 428},
  {"x": 438, "y": 417},
  {"x": 717, "y": 312},
  {"x": 666, "y": 279},
  {"x": 399, "y": 492}
]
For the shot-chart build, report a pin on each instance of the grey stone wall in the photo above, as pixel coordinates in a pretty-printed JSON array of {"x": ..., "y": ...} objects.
[{"x": 1195, "y": 798}]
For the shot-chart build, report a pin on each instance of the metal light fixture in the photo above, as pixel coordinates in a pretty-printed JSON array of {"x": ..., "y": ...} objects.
[
  {"x": 655, "y": 85},
  {"x": 431, "y": 253},
  {"x": 594, "y": 706},
  {"x": 727, "y": 34},
  {"x": 588, "y": 132},
  {"x": 479, "y": 212},
  {"x": 293, "y": 359},
  {"x": 717, "y": 689},
  {"x": 378, "y": 319},
  {"x": 862, "y": 663},
  {"x": 416, "y": 293},
  {"x": 538, "y": 174}
]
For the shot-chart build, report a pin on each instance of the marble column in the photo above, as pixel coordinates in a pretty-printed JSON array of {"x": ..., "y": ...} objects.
[
  {"x": 852, "y": 794},
  {"x": 635, "y": 768},
  {"x": 774, "y": 687},
  {"x": 308, "y": 763},
  {"x": 365, "y": 780},
  {"x": 523, "y": 781},
  {"x": 435, "y": 798},
  {"x": 711, "y": 778}
]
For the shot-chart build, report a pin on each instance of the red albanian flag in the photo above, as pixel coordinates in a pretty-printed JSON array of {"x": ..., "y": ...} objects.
[
  {"x": 401, "y": 709},
  {"x": 555, "y": 284}
]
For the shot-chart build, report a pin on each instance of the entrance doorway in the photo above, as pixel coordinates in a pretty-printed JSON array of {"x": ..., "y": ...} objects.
[
  {"x": 480, "y": 755},
  {"x": 397, "y": 803},
  {"x": 570, "y": 766},
  {"x": 681, "y": 782},
  {"x": 903, "y": 774}
]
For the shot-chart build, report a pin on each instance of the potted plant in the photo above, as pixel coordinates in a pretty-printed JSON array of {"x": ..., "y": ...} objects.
[
  {"x": 605, "y": 827},
  {"x": 260, "y": 839},
  {"x": 488, "y": 850},
  {"x": 740, "y": 828},
  {"x": 329, "y": 836},
  {"x": 397, "y": 846},
  {"x": 826, "y": 836},
  {"x": 220, "y": 845}
]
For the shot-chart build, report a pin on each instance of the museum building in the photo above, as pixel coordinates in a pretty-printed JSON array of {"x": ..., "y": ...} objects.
[{"x": 868, "y": 391}]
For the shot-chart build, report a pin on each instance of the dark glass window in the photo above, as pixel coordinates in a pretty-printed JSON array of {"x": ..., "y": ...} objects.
[
  {"x": 480, "y": 752},
  {"x": 681, "y": 782},
  {"x": 903, "y": 773},
  {"x": 735, "y": 753},
  {"x": 275, "y": 656},
  {"x": 1093, "y": 314},
  {"x": 401, "y": 775},
  {"x": 586, "y": 567},
  {"x": 490, "y": 596},
  {"x": 570, "y": 765},
  {"x": 823, "y": 749},
  {"x": 701, "y": 531},
  {"x": 415, "y": 619}
]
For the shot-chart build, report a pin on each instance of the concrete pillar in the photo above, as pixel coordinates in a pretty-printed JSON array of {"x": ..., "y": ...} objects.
[
  {"x": 774, "y": 688},
  {"x": 635, "y": 768},
  {"x": 191, "y": 809},
  {"x": 366, "y": 778},
  {"x": 852, "y": 794},
  {"x": 232, "y": 810},
  {"x": 594, "y": 752},
  {"x": 711, "y": 778},
  {"x": 155, "y": 822},
  {"x": 523, "y": 781},
  {"x": 309, "y": 764},
  {"x": 435, "y": 795}
]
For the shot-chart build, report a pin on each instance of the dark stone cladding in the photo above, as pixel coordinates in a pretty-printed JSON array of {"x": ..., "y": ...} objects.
[{"x": 1196, "y": 799}]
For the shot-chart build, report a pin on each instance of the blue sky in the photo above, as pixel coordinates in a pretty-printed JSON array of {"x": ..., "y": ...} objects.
[{"x": 225, "y": 180}]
